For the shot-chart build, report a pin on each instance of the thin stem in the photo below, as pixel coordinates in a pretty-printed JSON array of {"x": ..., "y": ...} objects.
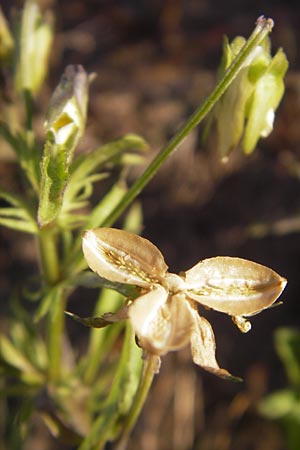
[
  {"x": 51, "y": 271},
  {"x": 151, "y": 364},
  {"x": 262, "y": 29},
  {"x": 28, "y": 109},
  {"x": 56, "y": 324},
  {"x": 49, "y": 256}
]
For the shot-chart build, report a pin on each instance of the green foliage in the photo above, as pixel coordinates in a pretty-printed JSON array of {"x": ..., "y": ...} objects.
[
  {"x": 284, "y": 405},
  {"x": 96, "y": 396}
]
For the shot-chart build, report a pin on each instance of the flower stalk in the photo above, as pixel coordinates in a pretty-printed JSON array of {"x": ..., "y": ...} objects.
[
  {"x": 150, "y": 368},
  {"x": 262, "y": 29}
]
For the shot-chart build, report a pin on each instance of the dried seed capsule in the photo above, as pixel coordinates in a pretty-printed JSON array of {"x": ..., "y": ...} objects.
[
  {"x": 123, "y": 257},
  {"x": 162, "y": 323},
  {"x": 233, "y": 285}
]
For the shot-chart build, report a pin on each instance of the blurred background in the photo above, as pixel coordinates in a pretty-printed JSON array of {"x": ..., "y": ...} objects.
[{"x": 155, "y": 61}]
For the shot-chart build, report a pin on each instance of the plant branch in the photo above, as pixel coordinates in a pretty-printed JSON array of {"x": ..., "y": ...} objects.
[{"x": 262, "y": 29}]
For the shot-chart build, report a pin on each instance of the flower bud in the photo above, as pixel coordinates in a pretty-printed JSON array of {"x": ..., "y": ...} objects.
[
  {"x": 66, "y": 114},
  {"x": 6, "y": 40},
  {"x": 34, "y": 44},
  {"x": 247, "y": 109}
]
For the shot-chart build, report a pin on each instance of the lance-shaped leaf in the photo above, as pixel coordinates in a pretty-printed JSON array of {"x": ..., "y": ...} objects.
[
  {"x": 233, "y": 285},
  {"x": 18, "y": 216},
  {"x": 162, "y": 324},
  {"x": 100, "y": 322},
  {"x": 88, "y": 168},
  {"x": 123, "y": 257}
]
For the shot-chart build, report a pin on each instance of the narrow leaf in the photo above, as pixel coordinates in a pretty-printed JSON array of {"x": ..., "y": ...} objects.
[
  {"x": 18, "y": 225},
  {"x": 100, "y": 322}
]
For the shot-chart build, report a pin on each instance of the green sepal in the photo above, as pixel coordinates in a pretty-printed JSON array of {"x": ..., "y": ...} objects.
[
  {"x": 54, "y": 171},
  {"x": 64, "y": 127}
]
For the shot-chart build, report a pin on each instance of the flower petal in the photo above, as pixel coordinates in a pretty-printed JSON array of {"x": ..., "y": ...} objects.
[
  {"x": 233, "y": 285},
  {"x": 124, "y": 257},
  {"x": 203, "y": 348},
  {"x": 162, "y": 324}
]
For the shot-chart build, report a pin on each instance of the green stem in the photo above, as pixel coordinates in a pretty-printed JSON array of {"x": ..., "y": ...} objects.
[
  {"x": 151, "y": 364},
  {"x": 56, "y": 324},
  {"x": 49, "y": 256},
  {"x": 262, "y": 29},
  {"x": 51, "y": 271},
  {"x": 28, "y": 109}
]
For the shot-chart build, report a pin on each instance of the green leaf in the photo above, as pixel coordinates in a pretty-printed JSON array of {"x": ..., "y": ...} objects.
[
  {"x": 19, "y": 216},
  {"x": 10, "y": 138},
  {"x": 92, "y": 280},
  {"x": 24, "y": 337},
  {"x": 12, "y": 356},
  {"x": 96, "y": 322},
  {"x": 82, "y": 172},
  {"x": 75, "y": 260},
  {"x": 24, "y": 146},
  {"x": 89, "y": 163},
  {"x": 279, "y": 404},
  {"x": 49, "y": 299},
  {"x": 100, "y": 343},
  {"x": 18, "y": 225},
  {"x": 287, "y": 343}
]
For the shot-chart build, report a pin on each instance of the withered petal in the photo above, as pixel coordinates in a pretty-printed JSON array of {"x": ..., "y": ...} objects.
[
  {"x": 124, "y": 257},
  {"x": 162, "y": 323},
  {"x": 203, "y": 348},
  {"x": 233, "y": 285}
]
